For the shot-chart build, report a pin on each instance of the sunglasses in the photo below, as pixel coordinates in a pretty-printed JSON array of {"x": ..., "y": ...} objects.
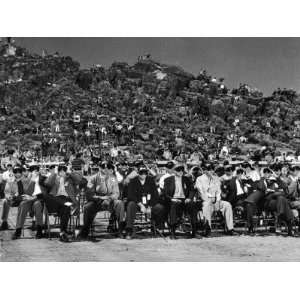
[{"x": 143, "y": 172}]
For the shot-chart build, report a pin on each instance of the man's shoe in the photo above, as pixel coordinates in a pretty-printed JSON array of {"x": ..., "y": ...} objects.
[
  {"x": 39, "y": 232},
  {"x": 33, "y": 226},
  {"x": 207, "y": 231},
  {"x": 17, "y": 234},
  {"x": 251, "y": 230},
  {"x": 64, "y": 238},
  {"x": 4, "y": 226},
  {"x": 231, "y": 232},
  {"x": 195, "y": 235},
  {"x": 173, "y": 235},
  {"x": 128, "y": 236},
  {"x": 80, "y": 236},
  {"x": 290, "y": 229}
]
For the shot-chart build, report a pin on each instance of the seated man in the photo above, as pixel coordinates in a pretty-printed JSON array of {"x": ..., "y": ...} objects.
[
  {"x": 209, "y": 188},
  {"x": 179, "y": 194},
  {"x": 142, "y": 195},
  {"x": 269, "y": 196},
  {"x": 256, "y": 198},
  {"x": 31, "y": 199},
  {"x": 13, "y": 191},
  {"x": 102, "y": 194},
  {"x": 60, "y": 198},
  {"x": 237, "y": 190},
  {"x": 294, "y": 187},
  {"x": 276, "y": 201}
]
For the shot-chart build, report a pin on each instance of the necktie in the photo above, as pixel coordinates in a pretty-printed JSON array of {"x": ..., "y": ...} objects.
[{"x": 20, "y": 187}]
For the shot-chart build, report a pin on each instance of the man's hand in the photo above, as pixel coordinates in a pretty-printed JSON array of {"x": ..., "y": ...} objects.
[
  {"x": 143, "y": 208},
  {"x": 27, "y": 197},
  {"x": 187, "y": 200},
  {"x": 175, "y": 200}
]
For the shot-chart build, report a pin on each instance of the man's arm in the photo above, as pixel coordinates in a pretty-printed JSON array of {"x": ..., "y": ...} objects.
[
  {"x": 218, "y": 189},
  {"x": 132, "y": 191},
  {"x": 115, "y": 191},
  {"x": 201, "y": 189},
  {"x": 49, "y": 182},
  {"x": 292, "y": 187}
]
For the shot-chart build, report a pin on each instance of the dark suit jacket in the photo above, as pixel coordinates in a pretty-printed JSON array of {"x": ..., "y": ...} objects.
[
  {"x": 136, "y": 190},
  {"x": 52, "y": 182},
  {"x": 258, "y": 195},
  {"x": 169, "y": 188},
  {"x": 232, "y": 190}
]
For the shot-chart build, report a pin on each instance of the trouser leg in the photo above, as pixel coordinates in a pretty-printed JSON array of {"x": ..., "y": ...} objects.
[
  {"x": 23, "y": 210},
  {"x": 250, "y": 209},
  {"x": 119, "y": 209},
  {"x": 64, "y": 213},
  {"x": 176, "y": 211},
  {"x": 62, "y": 210},
  {"x": 38, "y": 212},
  {"x": 89, "y": 213},
  {"x": 5, "y": 210},
  {"x": 283, "y": 209},
  {"x": 208, "y": 210},
  {"x": 159, "y": 215},
  {"x": 131, "y": 213},
  {"x": 192, "y": 209},
  {"x": 226, "y": 210}
]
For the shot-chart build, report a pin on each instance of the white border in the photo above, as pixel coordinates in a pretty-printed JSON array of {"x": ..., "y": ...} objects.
[{"x": 149, "y": 280}]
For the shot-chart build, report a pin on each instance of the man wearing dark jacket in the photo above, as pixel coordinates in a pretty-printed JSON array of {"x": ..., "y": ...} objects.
[
  {"x": 179, "y": 193},
  {"x": 102, "y": 194},
  {"x": 237, "y": 190},
  {"x": 256, "y": 198},
  {"x": 32, "y": 197},
  {"x": 142, "y": 194},
  {"x": 277, "y": 202},
  {"x": 60, "y": 198},
  {"x": 269, "y": 195}
]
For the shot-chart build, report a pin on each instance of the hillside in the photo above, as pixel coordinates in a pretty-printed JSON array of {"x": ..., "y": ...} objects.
[{"x": 38, "y": 92}]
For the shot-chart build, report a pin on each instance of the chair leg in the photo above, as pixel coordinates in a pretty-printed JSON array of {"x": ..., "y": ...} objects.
[{"x": 48, "y": 227}]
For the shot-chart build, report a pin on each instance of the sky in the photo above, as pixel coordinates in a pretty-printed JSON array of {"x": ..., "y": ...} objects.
[{"x": 264, "y": 63}]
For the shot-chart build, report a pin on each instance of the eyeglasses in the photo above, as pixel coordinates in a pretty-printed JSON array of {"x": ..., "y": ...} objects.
[{"x": 143, "y": 172}]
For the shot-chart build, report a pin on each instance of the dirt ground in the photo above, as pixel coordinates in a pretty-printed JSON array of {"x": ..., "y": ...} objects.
[{"x": 105, "y": 248}]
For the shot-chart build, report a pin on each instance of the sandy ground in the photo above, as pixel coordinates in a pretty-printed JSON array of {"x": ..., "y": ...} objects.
[{"x": 106, "y": 248}]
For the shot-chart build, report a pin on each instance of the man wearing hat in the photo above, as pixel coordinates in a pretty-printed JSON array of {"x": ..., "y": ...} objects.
[
  {"x": 178, "y": 193},
  {"x": 31, "y": 199},
  {"x": 142, "y": 194},
  {"x": 62, "y": 192},
  {"x": 169, "y": 171},
  {"x": 209, "y": 189},
  {"x": 13, "y": 191},
  {"x": 102, "y": 194},
  {"x": 237, "y": 189},
  {"x": 259, "y": 198}
]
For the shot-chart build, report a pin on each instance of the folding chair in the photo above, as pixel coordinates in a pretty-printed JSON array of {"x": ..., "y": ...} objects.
[
  {"x": 47, "y": 221},
  {"x": 217, "y": 221},
  {"x": 103, "y": 218},
  {"x": 142, "y": 222},
  {"x": 239, "y": 219}
]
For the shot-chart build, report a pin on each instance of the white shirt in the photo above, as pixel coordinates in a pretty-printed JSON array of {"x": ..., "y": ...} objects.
[
  {"x": 7, "y": 175},
  {"x": 208, "y": 187},
  {"x": 178, "y": 194},
  {"x": 239, "y": 190},
  {"x": 61, "y": 189},
  {"x": 254, "y": 175},
  {"x": 162, "y": 180}
]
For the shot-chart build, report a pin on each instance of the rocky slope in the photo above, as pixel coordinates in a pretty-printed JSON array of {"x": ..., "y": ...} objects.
[{"x": 37, "y": 91}]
